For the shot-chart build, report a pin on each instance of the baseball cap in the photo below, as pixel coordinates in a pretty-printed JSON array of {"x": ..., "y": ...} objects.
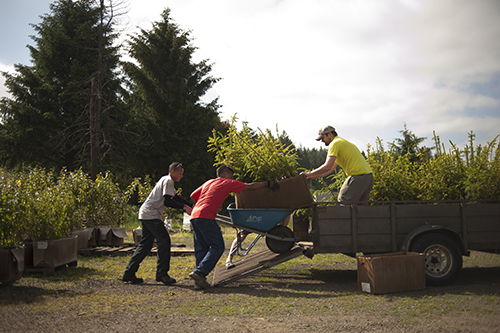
[{"x": 325, "y": 130}]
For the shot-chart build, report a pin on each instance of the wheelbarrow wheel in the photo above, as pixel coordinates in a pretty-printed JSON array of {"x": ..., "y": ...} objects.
[{"x": 279, "y": 246}]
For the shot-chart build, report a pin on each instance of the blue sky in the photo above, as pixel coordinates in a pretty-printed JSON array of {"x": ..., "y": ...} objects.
[{"x": 365, "y": 67}]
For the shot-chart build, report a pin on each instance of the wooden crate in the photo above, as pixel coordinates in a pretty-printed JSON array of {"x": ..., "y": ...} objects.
[{"x": 391, "y": 272}]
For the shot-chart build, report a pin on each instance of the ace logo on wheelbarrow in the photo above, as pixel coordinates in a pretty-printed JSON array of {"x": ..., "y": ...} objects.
[{"x": 254, "y": 219}]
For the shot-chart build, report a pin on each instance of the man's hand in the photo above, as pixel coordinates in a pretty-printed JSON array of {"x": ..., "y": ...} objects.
[
  {"x": 273, "y": 185},
  {"x": 303, "y": 173},
  {"x": 188, "y": 209}
]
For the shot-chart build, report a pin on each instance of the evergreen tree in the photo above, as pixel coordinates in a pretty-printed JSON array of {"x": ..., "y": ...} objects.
[
  {"x": 46, "y": 122},
  {"x": 409, "y": 144},
  {"x": 166, "y": 88}
]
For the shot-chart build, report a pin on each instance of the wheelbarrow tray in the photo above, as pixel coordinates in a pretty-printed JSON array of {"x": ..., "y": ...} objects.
[{"x": 258, "y": 219}]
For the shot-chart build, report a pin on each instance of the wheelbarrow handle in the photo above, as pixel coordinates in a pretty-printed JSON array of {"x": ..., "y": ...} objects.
[{"x": 224, "y": 218}]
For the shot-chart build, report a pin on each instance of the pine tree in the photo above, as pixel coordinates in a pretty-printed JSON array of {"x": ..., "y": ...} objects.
[
  {"x": 47, "y": 120},
  {"x": 166, "y": 90}
]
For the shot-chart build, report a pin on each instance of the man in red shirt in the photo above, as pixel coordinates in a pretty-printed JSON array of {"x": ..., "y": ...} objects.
[{"x": 208, "y": 241}]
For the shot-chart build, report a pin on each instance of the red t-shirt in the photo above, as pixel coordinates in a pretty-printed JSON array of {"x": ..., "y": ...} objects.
[{"x": 210, "y": 196}]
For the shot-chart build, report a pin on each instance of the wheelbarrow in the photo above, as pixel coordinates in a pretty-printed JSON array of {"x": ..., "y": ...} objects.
[{"x": 264, "y": 223}]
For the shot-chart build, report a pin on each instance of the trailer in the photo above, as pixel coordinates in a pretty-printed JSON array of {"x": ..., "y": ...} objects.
[{"x": 443, "y": 230}]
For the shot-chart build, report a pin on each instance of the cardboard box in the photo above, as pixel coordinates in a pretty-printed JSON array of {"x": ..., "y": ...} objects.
[
  {"x": 391, "y": 272},
  {"x": 293, "y": 193},
  {"x": 111, "y": 236},
  {"x": 55, "y": 253},
  {"x": 186, "y": 222},
  {"x": 301, "y": 226},
  {"x": 11, "y": 265},
  {"x": 137, "y": 234},
  {"x": 84, "y": 236}
]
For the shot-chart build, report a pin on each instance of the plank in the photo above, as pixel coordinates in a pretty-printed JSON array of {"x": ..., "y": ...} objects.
[
  {"x": 252, "y": 264},
  {"x": 128, "y": 249}
]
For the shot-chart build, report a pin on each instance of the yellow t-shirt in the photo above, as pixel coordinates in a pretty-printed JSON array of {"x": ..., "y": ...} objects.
[{"x": 348, "y": 157}]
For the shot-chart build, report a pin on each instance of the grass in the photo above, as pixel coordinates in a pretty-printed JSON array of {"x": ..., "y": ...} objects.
[{"x": 325, "y": 285}]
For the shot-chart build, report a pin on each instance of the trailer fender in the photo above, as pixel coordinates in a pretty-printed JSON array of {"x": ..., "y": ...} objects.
[{"x": 405, "y": 245}]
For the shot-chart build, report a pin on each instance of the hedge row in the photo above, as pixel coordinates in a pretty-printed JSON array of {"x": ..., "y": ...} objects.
[{"x": 36, "y": 204}]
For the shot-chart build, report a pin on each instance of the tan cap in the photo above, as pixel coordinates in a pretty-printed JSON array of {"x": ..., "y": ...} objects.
[{"x": 325, "y": 130}]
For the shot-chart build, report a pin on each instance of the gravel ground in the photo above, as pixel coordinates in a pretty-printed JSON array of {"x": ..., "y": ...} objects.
[{"x": 300, "y": 298}]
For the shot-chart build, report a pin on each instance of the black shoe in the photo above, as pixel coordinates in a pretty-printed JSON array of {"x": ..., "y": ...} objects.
[
  {"x": 167, "y": 280},
  {"x": 132, "y": 279}
]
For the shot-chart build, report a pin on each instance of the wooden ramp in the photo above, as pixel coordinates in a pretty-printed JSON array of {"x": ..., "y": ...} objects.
[{"x": 252, "y": 264}]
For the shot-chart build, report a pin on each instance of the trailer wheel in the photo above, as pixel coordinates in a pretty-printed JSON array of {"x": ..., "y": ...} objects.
[
  {"x": 443, "y": 259},
  {"x": 279, "y": 246}
]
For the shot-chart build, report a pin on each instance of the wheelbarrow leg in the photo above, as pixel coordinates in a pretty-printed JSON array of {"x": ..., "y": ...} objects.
[{"x": 239, "y": 245}]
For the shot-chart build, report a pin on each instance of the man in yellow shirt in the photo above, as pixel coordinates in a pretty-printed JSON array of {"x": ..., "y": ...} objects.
[{"x": 341, "y": 152}]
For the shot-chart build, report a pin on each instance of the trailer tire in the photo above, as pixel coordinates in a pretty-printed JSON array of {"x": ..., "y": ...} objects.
[
  {"x": 443, "y": 259},
  {"x": 279, "y": 246}
]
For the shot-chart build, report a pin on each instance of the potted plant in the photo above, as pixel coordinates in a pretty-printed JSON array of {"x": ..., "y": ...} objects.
[
  {"x": 45, "y": 215},
  {"x": 302, "y": 223},
  {"x": 100, "y": 208},
  {"x": 104, "y": 209},
  {"x": 260, "y": 156},
  {"x": 11, "y": 246}
]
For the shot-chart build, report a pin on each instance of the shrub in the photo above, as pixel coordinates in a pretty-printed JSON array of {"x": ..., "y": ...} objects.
[
  {"x": 469, "y": 174},
  {"x": 10, "y": 232},
  {"x": 43, "y": 206},
  {"x": 40, "y": 205},
  {"x": 254, "y": 157}
]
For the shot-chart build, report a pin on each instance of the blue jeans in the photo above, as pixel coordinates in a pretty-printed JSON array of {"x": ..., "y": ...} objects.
[
  {"x": 151, "y": 230},
  {"x": 208, "y": 245}
]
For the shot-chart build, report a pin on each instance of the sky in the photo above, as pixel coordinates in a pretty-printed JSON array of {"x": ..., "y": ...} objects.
[{"x": 365, "y": 67}]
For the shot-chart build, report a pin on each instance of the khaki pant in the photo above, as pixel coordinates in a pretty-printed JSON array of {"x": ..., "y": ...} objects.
[{"x": 356, "y": 188}]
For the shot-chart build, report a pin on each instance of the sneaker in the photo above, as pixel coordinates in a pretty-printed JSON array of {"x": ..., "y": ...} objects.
[
  {"x": 132, "y": 279},
  {"x": 229, "y": 265},
  {"x": 197, "y": 286},
  {"x": 202, "y": 281},
  {"x": 166, "y": 279}
]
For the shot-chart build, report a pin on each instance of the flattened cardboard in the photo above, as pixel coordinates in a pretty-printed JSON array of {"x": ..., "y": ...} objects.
[
  {"x": 391, "y": 272},
  {"x": 293, "y": 193}
]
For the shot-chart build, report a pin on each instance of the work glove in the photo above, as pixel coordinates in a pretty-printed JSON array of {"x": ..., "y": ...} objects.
[{"x": 273, "y": 185}]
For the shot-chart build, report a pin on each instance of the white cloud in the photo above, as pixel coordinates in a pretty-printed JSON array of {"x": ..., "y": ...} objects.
[
  {"x": 365, "y": 67},
  {"x": 3, "y": 89}
]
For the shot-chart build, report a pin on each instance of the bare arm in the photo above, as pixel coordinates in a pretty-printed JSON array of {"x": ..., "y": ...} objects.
[
  {"x": 255, "y": 186},
  {"x": 324, "y": 170}
]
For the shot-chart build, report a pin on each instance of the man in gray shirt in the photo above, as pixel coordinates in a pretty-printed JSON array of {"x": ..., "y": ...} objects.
[{"x": 163, "y": 195}]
